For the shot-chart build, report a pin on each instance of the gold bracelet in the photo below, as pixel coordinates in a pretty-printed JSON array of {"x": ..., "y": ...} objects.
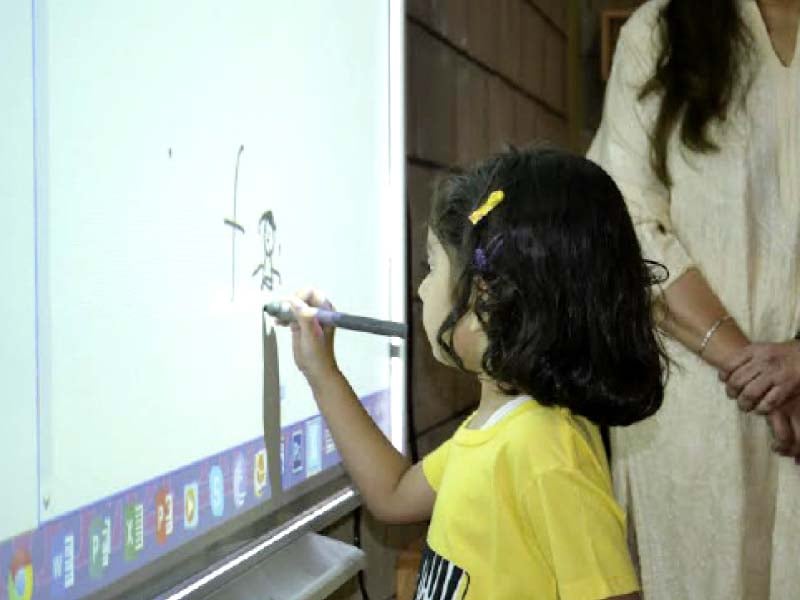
[{"x": 711, "y": 331}]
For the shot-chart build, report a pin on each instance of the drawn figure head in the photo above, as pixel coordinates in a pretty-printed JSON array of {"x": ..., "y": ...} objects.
[{"x": 266, "y": 225}]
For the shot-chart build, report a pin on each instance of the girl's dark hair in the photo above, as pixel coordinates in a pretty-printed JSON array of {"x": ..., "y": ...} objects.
[
  {"x": 700, "y": 65},
  {"x": 556, "y": 276}
]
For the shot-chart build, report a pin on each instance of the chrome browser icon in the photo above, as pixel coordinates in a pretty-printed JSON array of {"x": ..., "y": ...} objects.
[{"x": 20, "y": 576}]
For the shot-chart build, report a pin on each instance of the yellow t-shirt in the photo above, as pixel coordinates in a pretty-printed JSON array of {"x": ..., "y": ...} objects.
[{"x": 524, "y": 509}]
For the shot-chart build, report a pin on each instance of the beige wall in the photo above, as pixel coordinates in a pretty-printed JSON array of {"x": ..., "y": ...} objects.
[{"x": 480, "y": 73}]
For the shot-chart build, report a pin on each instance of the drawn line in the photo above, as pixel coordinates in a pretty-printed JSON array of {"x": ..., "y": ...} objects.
[
  {"x": 233, "y": 231},
  {"x": 234, "y": 225}
]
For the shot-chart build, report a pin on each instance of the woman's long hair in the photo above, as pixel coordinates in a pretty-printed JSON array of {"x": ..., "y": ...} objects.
[{"x": 705, "y": 45}]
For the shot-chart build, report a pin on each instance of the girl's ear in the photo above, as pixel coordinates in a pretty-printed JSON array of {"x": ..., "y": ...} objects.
[
  {"x": 481, "y": 286},
  {"x": 480, "y": 291}
]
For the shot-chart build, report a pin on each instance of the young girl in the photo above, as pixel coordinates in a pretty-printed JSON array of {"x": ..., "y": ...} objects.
[{"x": 538, "y": 287}]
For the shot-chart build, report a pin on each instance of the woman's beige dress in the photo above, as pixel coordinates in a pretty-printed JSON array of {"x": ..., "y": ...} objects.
[{"x": 716, "y": 514}]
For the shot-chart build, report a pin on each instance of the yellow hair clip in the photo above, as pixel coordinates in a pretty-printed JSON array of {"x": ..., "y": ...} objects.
[{"x": 484, "y": 209}]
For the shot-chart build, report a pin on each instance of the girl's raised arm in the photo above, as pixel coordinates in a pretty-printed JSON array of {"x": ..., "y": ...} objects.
[{"x": 394, "y": 490}]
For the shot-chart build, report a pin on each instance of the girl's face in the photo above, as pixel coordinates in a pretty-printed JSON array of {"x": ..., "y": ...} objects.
[{"x": 436, "y": 292}]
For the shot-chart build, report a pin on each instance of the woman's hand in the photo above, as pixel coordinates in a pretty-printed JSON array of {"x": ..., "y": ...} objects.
[
  {"x": 312, "y": 344},
  {"x": 785, "y": 425},
  {"x": 763, "y": 377}
]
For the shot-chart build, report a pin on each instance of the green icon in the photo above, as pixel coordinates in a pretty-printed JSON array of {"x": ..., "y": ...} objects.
[
  {"x": 134, "y": 530},
  {"x": 99, "y": 546}
]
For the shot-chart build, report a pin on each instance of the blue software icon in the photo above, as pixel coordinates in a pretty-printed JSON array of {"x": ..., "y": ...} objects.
[
  {"x": 62, "y": 558},
  {"x": 216, "y": 491},
  {"x": 313, "y": 446},
  {"x": 239, "y": 481}
]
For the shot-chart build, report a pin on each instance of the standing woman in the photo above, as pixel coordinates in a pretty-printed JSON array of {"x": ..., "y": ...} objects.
[{"x": 701, "y": 131}]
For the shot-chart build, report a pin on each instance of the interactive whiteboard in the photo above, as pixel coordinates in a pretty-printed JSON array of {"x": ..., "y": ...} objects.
[{"x": 173, "y": 166}]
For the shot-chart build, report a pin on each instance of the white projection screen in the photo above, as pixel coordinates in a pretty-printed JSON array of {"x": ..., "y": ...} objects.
[{"x": 168, "y": 167}]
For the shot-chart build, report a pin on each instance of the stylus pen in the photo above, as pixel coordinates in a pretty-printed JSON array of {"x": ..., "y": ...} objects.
[{"x": 283, "y": 312}]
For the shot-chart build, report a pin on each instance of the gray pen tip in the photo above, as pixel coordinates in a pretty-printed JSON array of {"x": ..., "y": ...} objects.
[{"x": 280, "y": 309}]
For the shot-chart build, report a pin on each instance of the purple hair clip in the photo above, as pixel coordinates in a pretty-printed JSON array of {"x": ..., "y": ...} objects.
[
  {"x": 482, "y": 257},
  {"x": 480, "y": 260}
]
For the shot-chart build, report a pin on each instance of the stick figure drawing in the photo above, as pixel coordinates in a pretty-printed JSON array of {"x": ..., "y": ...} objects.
[{"x": 266, "y": 225}]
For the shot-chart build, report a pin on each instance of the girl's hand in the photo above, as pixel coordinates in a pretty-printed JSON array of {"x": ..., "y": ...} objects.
[
  {"x": 764, "y": 376},
  {"x": 312, "y": 344}
]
